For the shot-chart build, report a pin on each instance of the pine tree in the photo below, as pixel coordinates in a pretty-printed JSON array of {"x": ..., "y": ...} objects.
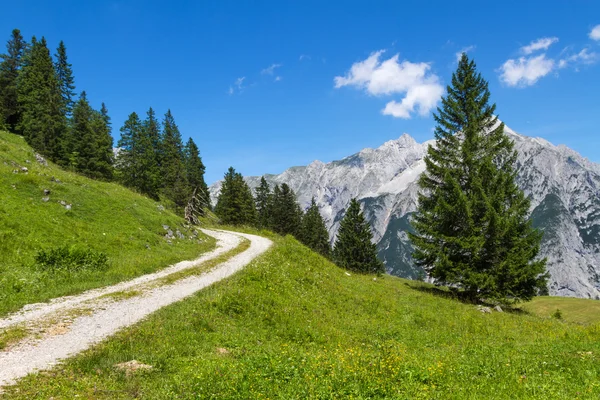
[
  {"x": 102, "y": 130},
  {"x": 174, "y": 179},
  {"x": 91, "y": 151},
  {"x": 286, "y": 215},
  {"x": 313, "y": 231},
  {"x": 10, "y": 68},
  {"x": 42, "y": 123},
  {"x": 152, "y": 127},
  {"x": 235, "y": 205},
  {"x": 263, "y": 199},
  {"x": 195, "y": 172},
  {"x": 127, "y": 161},
  {"x": 472, "y": 230},
  {"x": 354, "y": 248},
  {"x": 66, "y": 81},
  {"x": 136, "y": 161}
]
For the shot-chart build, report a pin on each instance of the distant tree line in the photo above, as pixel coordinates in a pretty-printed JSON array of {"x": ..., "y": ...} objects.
[
  {"x": 278, "y": 210},
  {"x": 38, "y": 101}
]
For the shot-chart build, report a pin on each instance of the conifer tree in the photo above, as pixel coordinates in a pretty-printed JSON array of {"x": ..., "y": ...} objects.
[
  {"x": 195, "y": 172},
  {"x": 286, "y": 215},
  {"x": 471, "y": 225},
  {"x": 128, "y": 154},
  {"x": 152, "y": 127},
  {"x": 91, "y": 151},
  {"x": 313, "y": 232},
  {"x": 354, "y": 248},
  {"x": 136, "y": 161},
  {"x": 102, "y": 129},
  {"x": 173, "y": 173},
  {"x": 263, "y": 200},
  {"x": 10, "y": 68},
  {"x": 235, "y": 204},
  {"x": 66, "y": 81},
  {"x": 42, "y": 123}
]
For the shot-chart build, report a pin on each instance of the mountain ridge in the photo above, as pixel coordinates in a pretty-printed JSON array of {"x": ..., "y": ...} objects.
[{"x": 563, "y": 186}]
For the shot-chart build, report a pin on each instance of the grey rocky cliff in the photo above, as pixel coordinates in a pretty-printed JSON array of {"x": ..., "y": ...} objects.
[{"x": 563, "y": 186}]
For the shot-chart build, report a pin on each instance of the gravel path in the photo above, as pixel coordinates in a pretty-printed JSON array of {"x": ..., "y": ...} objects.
[{"x": 106, "y": 318}]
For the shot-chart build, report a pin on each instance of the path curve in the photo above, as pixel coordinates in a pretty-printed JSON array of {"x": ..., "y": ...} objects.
[{"x": 86, "y": 330}]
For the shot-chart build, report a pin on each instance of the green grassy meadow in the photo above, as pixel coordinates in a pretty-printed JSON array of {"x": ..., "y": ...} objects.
[
  {"x": 105, "y": 217},
  {"x": 294, "y": 326}
]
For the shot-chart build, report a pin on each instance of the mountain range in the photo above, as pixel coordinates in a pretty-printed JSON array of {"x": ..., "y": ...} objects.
[{"x": 563, "y": 186}]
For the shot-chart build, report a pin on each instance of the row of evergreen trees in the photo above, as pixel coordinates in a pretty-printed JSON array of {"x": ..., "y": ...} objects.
[
  {"x": 153, "y": 160},
  {"x": 37, "y": 100},
  {"x": 278, "y": 210}
]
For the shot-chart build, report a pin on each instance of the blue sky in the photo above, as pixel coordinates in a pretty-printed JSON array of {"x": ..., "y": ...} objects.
[{"x": 265, "y": 85}]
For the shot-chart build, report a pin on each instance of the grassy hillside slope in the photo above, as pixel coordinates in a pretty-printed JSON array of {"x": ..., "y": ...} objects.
[
  {"x": 294, "y": 326},
  {"x": 105, "y": 217}
]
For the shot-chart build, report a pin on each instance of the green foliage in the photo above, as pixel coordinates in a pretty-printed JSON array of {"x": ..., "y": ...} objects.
[
  {"x": 471, "y": 225},
  {"x": 294, "y": 326},
  {"x": 172, "y": 169},
  {"x": 43, "y": 122},
  {"x": 10, "y": 67},
  {"x": 66, "y": 81},
  {"x": 195, "y": 173},
  {"x": 263, "y": 202},
  {"x": 89, "y": 146},
  {"x": 354, "y": 248},
  {"x": 285, "y": 213},
  {"x": 71, "y": 259},
  {"x": 235, "y": 205},
  {"x": 313, "y": 231},
  {"x": 137, "y": 159},
  {"x": 106, "y": 217},
  {"x": 557, "y": 314}
]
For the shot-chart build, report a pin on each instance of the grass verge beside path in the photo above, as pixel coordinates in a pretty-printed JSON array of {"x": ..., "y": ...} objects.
[
  {"x": 103, "y": 217},
  {"x": 292, "y": 325}
]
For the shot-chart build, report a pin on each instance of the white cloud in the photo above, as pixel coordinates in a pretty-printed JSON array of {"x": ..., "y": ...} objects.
[
  {"x": 238, "y": 85},
  {"x": 464, "y": 50},
  {"x": 420, "y": 87},
  {"x": 277, "y": 78},
  {"x": 583, "y": 57},
  {"x": 270, "y": 69},
  {"x": 525, "y": 71},
  {"x": 595, "y": 33},
  {"x": 540, "y": 44},
  {"x": 304, "y": 57}
]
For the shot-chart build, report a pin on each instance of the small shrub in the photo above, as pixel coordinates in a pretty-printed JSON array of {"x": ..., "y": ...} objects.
[
  {"x": 557, "y": 314},
  {"x": 71, "y": 259}
]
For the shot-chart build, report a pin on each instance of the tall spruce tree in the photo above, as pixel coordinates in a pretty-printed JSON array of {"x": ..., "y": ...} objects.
[
  {"x": 10, "y": 68},
  {"x": 263, "y": 200},
  {"x": 127, "y": 161},
  {"x": 313, "y": 231},
  {"x": 43, "y": 122},
  {"x": 174, "y": 178},
  {"x": 152, "y": 126},
  {"x": 136, "y": 161},
  {"x": 354, "y": 248},
  {"x": 102, "y": 130},
  {"x": 472, "y": 228},
  {"x": 235, "y": 204},
  {"x": 90, "y": 143},
  {"x": 66, "y": 81},
  {"x": 195, "y": 172},
  {"x": 286, "y": 214}
]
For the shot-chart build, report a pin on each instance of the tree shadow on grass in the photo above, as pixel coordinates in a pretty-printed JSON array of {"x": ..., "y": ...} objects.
[{"x": 461, "y": 296}]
